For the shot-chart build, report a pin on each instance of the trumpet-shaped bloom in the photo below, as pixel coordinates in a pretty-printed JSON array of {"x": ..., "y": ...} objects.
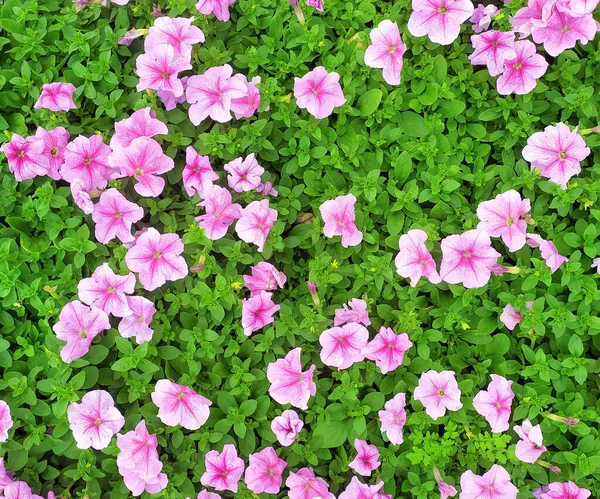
[
  {"x": 87, "y": 159},
  {"x": 244, "y": 174},
  {"x": 548, "y": 251},
  {"x": 287, "y": 427},
  {"x": 159, "y": 70},
  {"x": 563, "y": 31},
  {"x": 492, "y": 48},
  {"x": 197, "y": 174},
  {"x": 138, "y": 323},
  {"x": 205, "y": 494},
  {"x": 534, "y": 15},
  {"x": 438, "y": 392},
  {"x": 55, "y": 144},
  {"x": 94, "y": 420},
  {"x": 386, "y": 51},
  {"x": 19, "y": 490},
  {"x": 414, "y": 260},
  {"x": 495, "y": 403},
  {"x": 78, "y": 325},
  {"x": 264, "y": 471},
  {"x": 566, "y": 490},
  {"x": 257, "y": 312},
  {"x": 339, "y": 217},
  {"x": 220, "y": 212},
  {"x": 319, "y": 92},
  {"x": 56, "y": 97},
  {"x": 510, "y": 317},
  {"x": 358, "y": 490},
  {"x": 316, "y": 4},
  {"x": 531, "y": 445},
  {"x": 521, "y": 72},
  {"x": 440, "y": 20},
  {"x": 264, "y": 277},
  {"x": 156, "y": 257},
  {"x": 353, "y": 311},
  {"x": 495, "y": 484},
  {"x": 556, "y": 153},
  {"x": 256, "y": 222},
  {"x": 25, "y": 157},
  {"x": 393, "y": 418},
  {"x": 138, "y": 485},
  {"x": 303, "y": 484},
  {"x": 5, "y": 476},
  {"x": 169, "y": 99},
  {"x": 446, "y": 490},
  {"x": 142, "y": 123},
  {"x": 180, "y": 405},
  {"x": 367, "y": 458},
  {"x": 246, "y": 106},
  {"x": 343, "y": 346},
  {"x": 6, "y": 421},
  {"x": 107, "y": 290},
  {"x": 114, "y": 216},
  {"x": 387, "y": 349},
  {"x": 178, "y": 32},
  {"x": 482, "y": 17},
  {"x": 580, "y": 7},
  {"x": 223, "y": 469},
  {"x": 220, "y": 8},
  {"x": 289, "y": 385}
]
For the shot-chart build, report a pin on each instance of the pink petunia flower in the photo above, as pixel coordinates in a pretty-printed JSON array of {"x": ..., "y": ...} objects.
[
  {"x": 556, "y": 152},
  {"x": 264, "y": 277},
  {"x": 548, "y": 251},
  {"x": 358, "y": 490},
  {"x": 205, "y": 494},
  {"x": 303, "y": 484},
  {"x": 414, "y": 259},
  {"x": 180, "y": 405},
  {"x": 223, "y": 469},
  {"x": 468, "y": 259},
  {"x": 264, "y": 471},
  {"x": 129, "y": 36},
  {"x": 220, "y": 8},
  {"x": 289, "y": 385},
  {"x": 367, "y": 458},
  {"x": 482, "y": 17},
  {"x": 494, "y": 404},
  {"x": 577, "y": 8},
  {"x": 446, "y": 490},
  {"x": 257, "y": 312},
  {"x": 353, "y": 311},
  {"x": 5, "y": 476},
  {"x": 386, "y": 51},
  {"x": 168, "y": 98},
  {"x": 55, "y": 144},
  {"x": 87, "y": 159},
  {"x": 256, "y": 222},
  {"x": 138, "y": 323},
  {"x": 107, "y": 291},
  {"x": 316, "y": 4},
  {"x": 566, "y": 490},
  {"x": 393, "y": 418},
  {"x": 142, "y": 123},
  {"x": 563, "y": 31},
  {"x": 521, "y": 72},
  {"x": 492, "y": 48},
  {"x": 534, "y": 15},
  {"x": 387, "y": 349},
  {"x": 56, "y": 97},
  {"x": 495, "y": 484},
  {"x": 94, "y": 420},
  {"x": 510, "y": 317},
  {"x": 286, "y": 427},
  {"x": 25, "y": 157},
  {"x": 342, "y": 346},
  {"x": 177, "y": 32},
  {"x": 244, "y": 174},
  {"x": 440, "y": 20},
  {"x": 211, "y": 94},
  {"x": 531, "y": 445},
  {"x": 339, "y": 217},
  {"x": 19, "y": 490},
  {"x": 244, "y": 107},
  {"x": 159, "y": 70},
  {"x": 156, "y": 257},
  {"x": 78, "y": 325},
  {"x": 266, "y": 189},
  {"x": 319, "y": 92},
  {"x": 197, "y": 174},
  {"x": 114, "y": 216},
  {"x": 438, "y": 392},
  {"x": 6, "y": 421},
  {"x": 137, "y": 485},
  {"x": 220, "y": 212}
]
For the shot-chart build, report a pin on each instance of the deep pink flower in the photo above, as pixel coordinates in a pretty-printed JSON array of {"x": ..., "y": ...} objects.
[
  {"x": 367, "y": 458},
  {"x": 316, "y": 4},
  {"x": 19, "y": 490},
  {"x": 440, "y": 20},
  {"x": 223, "y": 469},
  {"x": 319, "y": 92},
  {"x": 264, "y": 471},
  {"x": 156, "y": 257},
  {"x": 393, "y": 418},
  {"x": 264, "y": 277},
  {"x": 289, "y": 385},
  {"x": 244, "y": 174},
  {"x": 78, "y": 325},
  {"x": 197, "y": 173},
  {"x": 114, "y": 217},
  {"x": 438, "y": 392},
  {"x": 468, "y": 258},
  {"x": 563, "y": 31},
  {"x": 87, "y": 159},
  {"x": 548, "y": 251},
  {"x": 414, "y": 259},
  {"x": 510, "y": 317},
  {"x": 386, "y": 51},
  {"x": 180, "y": 405},
  {"x": 303, "y": 484},
  {"x": 6, "y": 421},
  {"x": 495, "y": 484},
  {"x": 257, "y": 312},
  {"x": 107, "y": 291},
  {"x": 353, "y": 311},
  {"x": 246, "y": 106},
  {"x": 567, "y": 490},
  {"x": 531, "y": 445},
  {"x": 178, "y": 32},
  {"x": 138, "y": 323},
  {"x": 25, "y": 157},
  {"x": 556, "y": 153},
  {"x": 342, "y": 346},
  {"x": 211, "y": 94},
  {"x": 159, "y": 70},
  {"x": 57, "y": 97},
  {"x": 492, "y": 48},
  {"x": 220, "y": 8},
  {"x": 94, "y": 420},
  {"x": 446, "y": 490},
  {"x": 482, "y": 17},
  {"x": 256, "y": 222},
  {"x": 142, "y": 123},
  {"x": 286, "y": 427},
  {"x": 220, "y": 212},
  {"x": 521, "y": 72},
  {"x": 495, "y": 403},
  {"x": 387, "y": 349},
  {"x": 358, "y": 490},
  {"x": 55, "y": 144},
  {"x": 339, "y": 217}
]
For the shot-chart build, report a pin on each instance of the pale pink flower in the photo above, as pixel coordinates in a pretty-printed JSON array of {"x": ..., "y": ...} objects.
[
  {"x": 495, "y": 403},
  {"x": 556, "y": 152},
  {"x": 386, "y": 51},
  {"x": 534, "y": 15},
  {"x": 387, "y": 349},
  {"x": 440, "y": 20},
  {"x": 5, "y": 476},
  {"x": 264, "y": 471},
  {"x": 129, "y": 36},
  {"x": 596, "y": 264},
  {"x": 287, "y": 427},
  {"x": 114, "y": 216},
  {"x": 205, "y": 494},
  {"x": 358, "y": 490},
  {"x": 177, "y": 32},
  {"x": 180, "y": 405},
  {"x": 264, "y": 277},
  {"x": 492, "y": 48},
  {"x": 316, "y": 4},
  {"x": 510, "y": 317},
  {"x": 78, "y": 325},
  {"x": 414, "y": 259},
  {"x": 246, "y": 106},
  {"x": 482, "y": 17},
  {"x": 107, "y": 291},
  {"x": 257, "y": 312},
  {"x": 342, "y": 346},
  {"x": 19, "y": 490},
  {"x": 548, "y": 251},
  {"x": 138, "y": 323},
  {"x": 87, "y": 159},
  {"x": 256, "y": 222},
  {"x": 6, "y": 422},
  {"x": 81, "y": 197},
  {"x": 446, "y": 490},
  {"x": 339, "y": 217},
  {"x": 521, "y": 72},
  {"x": 303, "y": 484},
  {"x": 393, "y": 418},
  {"x": 223, "y": 469},
  {"x": 220, "y": 212},
  {"x": 142, "y": 123},
  {"x": 367, "y": 458},
  {"x": 243, "y": 174},
  {"x": 266, "y": 189},
  {"x": 94, "y": 420},
  {"x": 197, "y": 174},
  {"x": 495, "y": 484},
  {"x": 319, "y": 92},
  {"x": 579, "y": 7},
  {"x": 137, "y": 485},
  {"x": 566, "y": 490},
  {"x": 289, "y": 385},
  {"x": 56, "y": 97},
  {"x": 563, "y": 31},
  {"x": 438, "y": 392},
  {"x": 159, "y": 70},
  {"x": 531, "y": 445},
  {"x": 169, "y": 99},
  {"x": 55, "y": 144},
  {"x": 211, "y": 94},
  {"x": 25, "y": 157},
  {"x": 468, "y": 259},
  {"x": 353, "y": 311},
  {"x": 220, "y": 8},
  {"x": 156, "y": 257}
]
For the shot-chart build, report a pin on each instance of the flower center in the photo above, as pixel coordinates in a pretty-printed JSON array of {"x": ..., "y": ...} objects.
[
  {"x": 498, "y": 405},
  {"x": 87, "y": 161},
  {"x": 441, "y": 393},
  {"x": 54, "y": 151},
  {"x": 392, "y": 49},
  {"x": 156, "y": 254},
  {"x": 98, "y": 422},
  {"x": 424, "y": 262},
  {"x": 270, "y": 472},
  {"x": 315, "y": 91},
  {"x": 139, "y": 172},
  {"x": 562, "y": 155},
  {"x": 509, "y": 221},
  {"x": 141, "y": 320},
  {"x": 442, "y": 10},
  {"x": 566, "y": 28},
  {"x": 21, "y": 153},
  {"x": 517, "y": 65},
  {"x": 180, "y": 395},
  {"x": 83, "y": 333},
  {"x": 467, "y": 254},
  {"x": 494, "y": 43},
  {"x": 118, "y": 214},
  {"x": 165, "y": 75},
  {"x": 111, "y": 289}
]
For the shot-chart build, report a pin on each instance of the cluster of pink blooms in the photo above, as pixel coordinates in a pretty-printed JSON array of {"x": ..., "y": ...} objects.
[{"x": 258, "y": 310}]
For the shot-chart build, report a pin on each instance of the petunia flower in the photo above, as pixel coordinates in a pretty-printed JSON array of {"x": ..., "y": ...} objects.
[
  {"x": 197, "y": 174},
  {"x": 367, "y": 458},
  {"x": 87, "y": 158},
  {"x": 142, "y": 123},
  {"x": 246, "y": 106},
  {"x": 562, "y": 31},
  {"x": 138, "y": 323},
  {"x": 180, "y": 405},
  {"x": 482, "y": 17},
  {"x": 243, "y": 174},
  {"x": 55, "y": 144},
  {"x": 358, "y": 490},
  {"x": 438, "y": 392},
  {"x": 386, "y": 51},
  {"x": 393, "y": 418},
  {"x": 353, "y": 311},
  {"x": 534, "y": 15},
  {"x": 531, "y": 445},
  {"x": 495, "y": 484},
  {"x": 579, "y": 7},
  {"x": 257, "y": 312},
  {"x": 446, "y": 490},
  {"x": 26, "y": 158},
  {"x": 289, "y": 384},
  {"x": 316, "y": 4},
  {"x": 19, "y": 490},
  {"x": 107, "y": 291},
  {"x": 286, "y": 427},
  {"x": 159, "y": 70},
  {"x": 255, "y": 223},
  {"x": 319, "y": 92},
  {"x": 492, "y": 48},
  {"x": 414, "y": 259},
  {"x": 566, "y": 490},
  {"x": 263, "y": 474},
  {"x": 223, "y": 469},
  {"x": 549, "y": 252},
  {"x": 220, "y": 212},
  {"x": 510, "y": 317},
  {"x": 521, "y": 72},
  {"x": 220, "y": 8},
  {"x": 6, "y": 421},
  {"x": 168, "y": 98},
  {"x": 495, "y": 403},
  {"x": 440, "y": 20},
  {"x": 5, "y": 476},
  {"x": 264, "y": 277},
  {"x": 387, "y": 349},
  {"x": 303, "y": 484},
  {"x": 177, "y": 32},
  {"x": 339, "y": 217},
  {"x": 56, "y": 97},
  {"x": 343, "y": 346},
  {"x": 114, "y": 216}
]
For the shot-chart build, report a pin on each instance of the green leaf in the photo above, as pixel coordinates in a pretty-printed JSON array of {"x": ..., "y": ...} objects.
[{"x": 369, "y": 101}]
